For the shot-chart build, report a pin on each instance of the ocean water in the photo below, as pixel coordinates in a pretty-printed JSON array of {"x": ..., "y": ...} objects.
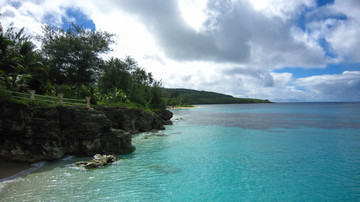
[{"x": 259, "y": 152}]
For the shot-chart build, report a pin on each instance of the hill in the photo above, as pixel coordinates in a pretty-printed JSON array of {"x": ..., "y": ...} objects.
[{"x": 205, "y": 97}]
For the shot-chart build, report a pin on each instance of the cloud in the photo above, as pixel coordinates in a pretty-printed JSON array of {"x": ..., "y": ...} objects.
[
  {"x": 334, "y": 87},
  {"x": 163, "y": 19},
  {"x": 265, "y": 77},
  {"x": 338, "y": 25},
  {"x": 233, "y": 32},
  {"x": 20, "y": 18},
  {"x": 233, "y": 46},
  {"x": 279, "y": 87},
  {"x": 284, "y": 9}
]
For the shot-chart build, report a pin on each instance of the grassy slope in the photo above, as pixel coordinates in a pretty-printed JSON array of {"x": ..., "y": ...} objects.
[{"x": 204, "y": 97}]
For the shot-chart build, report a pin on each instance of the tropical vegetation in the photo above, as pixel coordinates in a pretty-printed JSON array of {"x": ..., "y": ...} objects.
[
  {"x": 205, "y": 97},
  {"x": 72, "y": 62}
]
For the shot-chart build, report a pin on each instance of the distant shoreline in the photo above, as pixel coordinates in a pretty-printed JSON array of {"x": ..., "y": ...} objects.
[{"x": 177, "y": 107}]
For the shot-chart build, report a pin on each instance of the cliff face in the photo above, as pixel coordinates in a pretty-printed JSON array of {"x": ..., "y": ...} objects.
[{"x": 32, "y": 133}]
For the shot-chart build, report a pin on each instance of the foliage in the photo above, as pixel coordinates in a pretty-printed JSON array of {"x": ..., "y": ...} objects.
[
  {"x": 74, "y": 55},
  {"x": 20, "y": 66},
  {"x": 4, "y": 94},
  {"x": 175, "y": 98},
  {"x": 114, "y": 96},
  {"x": 136, "y": 84},
  {"x": 70, "y": 62},
  {"x": 115, "y": 73},
  {"x": 156, "y": 100},
  {"x": 204, "y": 97}
]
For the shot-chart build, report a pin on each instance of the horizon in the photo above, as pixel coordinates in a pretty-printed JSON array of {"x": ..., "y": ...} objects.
[{"x": 283, "y": 51}]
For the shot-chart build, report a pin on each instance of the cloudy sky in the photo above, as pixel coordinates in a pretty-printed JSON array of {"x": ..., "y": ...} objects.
[{"x": 281, "y": 50}]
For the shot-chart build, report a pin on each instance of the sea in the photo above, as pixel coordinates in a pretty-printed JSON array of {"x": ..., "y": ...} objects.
[{"x": 237, "y": 152}]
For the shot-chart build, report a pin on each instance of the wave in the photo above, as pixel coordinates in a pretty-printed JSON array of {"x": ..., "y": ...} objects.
[{"x": 66, "y": 158}]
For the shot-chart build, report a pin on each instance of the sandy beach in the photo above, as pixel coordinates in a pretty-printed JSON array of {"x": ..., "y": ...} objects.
[{"x": 8, "y": 169}]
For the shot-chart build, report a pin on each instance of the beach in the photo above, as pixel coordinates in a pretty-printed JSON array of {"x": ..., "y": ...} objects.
[{"x": 8, "y": 169}]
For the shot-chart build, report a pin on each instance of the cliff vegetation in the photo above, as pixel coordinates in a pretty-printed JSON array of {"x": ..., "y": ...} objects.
[{"x": 187, "y": 96}]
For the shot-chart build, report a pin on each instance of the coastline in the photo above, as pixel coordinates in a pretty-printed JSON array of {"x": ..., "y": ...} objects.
[
  {"x": 177, "y": 107},
  {"x": 11, "y": 170},
  {"x": 56, "y": 130}
]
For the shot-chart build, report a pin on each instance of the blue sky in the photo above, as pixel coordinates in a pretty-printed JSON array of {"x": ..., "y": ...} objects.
[
  {"x": 76, "y": 16},
  {"x": 282, "y": 50}
]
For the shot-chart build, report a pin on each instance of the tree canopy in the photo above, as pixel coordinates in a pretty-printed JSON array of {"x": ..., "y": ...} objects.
[
  {"x": 74, "y": 55},
  {"x": 71, "y": 61},
  {"x": 20, "y": 64}
]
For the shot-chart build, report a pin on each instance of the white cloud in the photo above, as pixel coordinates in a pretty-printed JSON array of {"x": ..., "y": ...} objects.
[
  {"x": 20, "y": 18},
  {"x": 334, "y": 87},
  {"x": 228, "y": 46},
  {"x": 345, "y": 40},
  {"x": 339, "y": 25},
  {"x": 193, "y": 12},
  {"x": 284, "y": 9}
]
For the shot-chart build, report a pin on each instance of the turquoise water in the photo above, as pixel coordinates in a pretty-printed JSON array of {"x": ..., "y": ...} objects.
[{"x": 262, "y": 152}]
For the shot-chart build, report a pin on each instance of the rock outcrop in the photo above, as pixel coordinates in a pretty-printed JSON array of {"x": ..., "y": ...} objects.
[
  {"x": 132, "y": 120},
  {"x": 165, "y": 116},
  {"x": 98, "y": 161},
  {"x": 34, "y": 133}
]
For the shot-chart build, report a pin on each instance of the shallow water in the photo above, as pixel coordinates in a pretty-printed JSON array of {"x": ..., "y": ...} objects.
[{"x": 301, "y": 151}]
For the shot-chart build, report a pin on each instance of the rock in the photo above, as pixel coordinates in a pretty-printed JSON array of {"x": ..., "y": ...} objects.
[
  {"x": 161, "y": 135},
  {"x": 98, "y": 161},
  {"x": 117, "y": 141},
  {"x": 132, "y": 120},
  {"x": 35, "y": 133},
  {"x": 154, "y": 133},
  {"x": 165, "y": 115}
]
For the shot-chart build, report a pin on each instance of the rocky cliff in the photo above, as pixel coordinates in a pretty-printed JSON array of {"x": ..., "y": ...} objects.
[{"x": 34, "y": 133}]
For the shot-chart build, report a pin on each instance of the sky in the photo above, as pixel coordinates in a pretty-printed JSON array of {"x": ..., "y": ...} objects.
[{"x": 281, "y": 50}]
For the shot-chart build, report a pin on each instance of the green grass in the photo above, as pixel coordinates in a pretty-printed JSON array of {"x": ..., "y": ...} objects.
[{"x": 6, "y": 96}]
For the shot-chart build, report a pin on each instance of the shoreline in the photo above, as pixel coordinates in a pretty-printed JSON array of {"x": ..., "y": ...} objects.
[
  {"x": 11, "y": 170},
  {"x": 176, "y": 107}
]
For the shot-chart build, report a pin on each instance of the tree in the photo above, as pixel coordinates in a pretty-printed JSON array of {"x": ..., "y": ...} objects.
[
  {"x": 19, "y": 63},
  {"x": 10, "y": 61},
  {"x": 35, "y": 77},
  {"x": 133, "y": 80},
  {"x": 140, "y": 83},
  {"x": 74, "y": 54},
  {"x": 156, "y": 100},
  {"x": 115, "y": 73},
  {"x": 177, "y": 99}
]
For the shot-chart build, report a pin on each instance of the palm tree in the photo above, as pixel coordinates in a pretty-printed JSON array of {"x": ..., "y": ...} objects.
[
  {"x": 19, "y": 63},
  {"x": 10, "y": 62}
]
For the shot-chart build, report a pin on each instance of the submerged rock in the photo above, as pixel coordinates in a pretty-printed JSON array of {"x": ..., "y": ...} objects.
[
  {"x": 98, "y": 161},
  {"x": 153, "y": 134},
  {"x": 161, "y": 135}
]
